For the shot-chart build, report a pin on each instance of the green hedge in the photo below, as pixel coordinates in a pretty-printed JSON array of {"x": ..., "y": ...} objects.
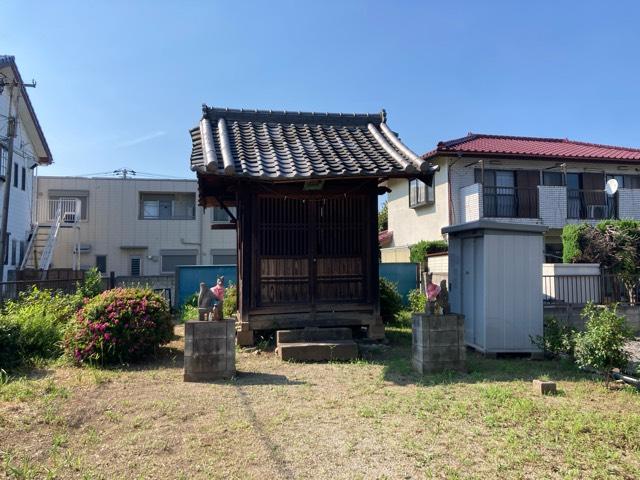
[
  {"x": 571, "y": 235},
  {"x": 419, "y": 251}
]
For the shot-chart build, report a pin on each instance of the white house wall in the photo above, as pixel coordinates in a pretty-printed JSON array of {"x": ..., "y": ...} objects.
[
  {"x": 19, "y": 220},
  {"x": 410, "y": 225},
  {"x": 113, "y": 225}
]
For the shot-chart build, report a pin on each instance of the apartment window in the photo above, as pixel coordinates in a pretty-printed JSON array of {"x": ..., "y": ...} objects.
[
  {"x": 101, "y": 263},
  {"x": 14, "y": 251},
  {"x": 67, "y": 200},
  {"x": 626, "y": 181},
  {"x": 24, "y": 178},
  {"x": 22, "y": 249},
  {"x": 3, "y": 162},
  {"x": 168, "y": 206},
  {"x": 553, "y": 179},
  {"x": 219, "y": 215},
  {"x": 135, "y": 266},
  {"x": 170, "y": 259},
  {"x": 15, "y": 175},
  {"x": 223, "y": 256},
  {"x": 420, "y": 193}
]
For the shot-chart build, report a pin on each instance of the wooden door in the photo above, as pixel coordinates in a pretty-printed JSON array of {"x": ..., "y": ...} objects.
[
  {"x": 311, "y": 251},
  {"x": 340, "y": 249}
]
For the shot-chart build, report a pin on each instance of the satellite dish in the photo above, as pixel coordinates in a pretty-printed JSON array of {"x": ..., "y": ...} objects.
[{"x": 611, "y": 187}]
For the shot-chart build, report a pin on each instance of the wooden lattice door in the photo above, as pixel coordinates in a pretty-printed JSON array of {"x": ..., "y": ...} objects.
[{"x": 311, "y": 251}]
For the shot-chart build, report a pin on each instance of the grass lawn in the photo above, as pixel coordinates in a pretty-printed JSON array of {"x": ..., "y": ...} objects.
[{"x": 368, "y": 419}]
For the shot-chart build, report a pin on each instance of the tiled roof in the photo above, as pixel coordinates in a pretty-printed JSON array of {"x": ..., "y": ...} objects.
[
  {"x": 558, "y": 148},
  {"x": 10, "y": 61},
  {"x": 283, "y": 145}
]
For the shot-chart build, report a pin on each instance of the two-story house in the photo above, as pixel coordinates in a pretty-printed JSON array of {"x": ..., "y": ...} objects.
[
  {"x": 546, "y": 181},
  {"x": 30, "y": 150},
  {"x": 133, "y": 226}
]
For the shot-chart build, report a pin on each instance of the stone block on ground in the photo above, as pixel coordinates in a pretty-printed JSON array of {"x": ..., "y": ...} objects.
[
  {"x": 542, "y": 387},
  {"x": 318, "y": 351},
  {"x": 438, "y": 343},
  {"x": 209, "y": 350}
]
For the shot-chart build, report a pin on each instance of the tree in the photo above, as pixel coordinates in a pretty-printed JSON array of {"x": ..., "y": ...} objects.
[
  {"x": 383, "y": 217},
  {"x": 614, "y": 244}
]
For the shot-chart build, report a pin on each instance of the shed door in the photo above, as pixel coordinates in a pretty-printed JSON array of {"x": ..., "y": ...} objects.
[
  {"x": 468, "y": 289},
  {"x": 311, "y": 252}
]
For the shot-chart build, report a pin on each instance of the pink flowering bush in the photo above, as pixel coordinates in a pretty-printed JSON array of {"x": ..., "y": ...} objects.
[{"x": 118, "y": 326}]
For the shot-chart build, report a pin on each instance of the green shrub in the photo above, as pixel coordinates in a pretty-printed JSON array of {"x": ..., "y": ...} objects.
[
  {"x": 33, "y": 326},
  {"x": 418, "y": 252},
  {"x": 601, "y": 345},
  {"x": 91, "y": 285},
  {"x": 118, "y": 326},
  {"x": 558, "y": 337},
  {"x": 571, "y": 235},
  {"x": 390, "y": 299},
  {"x": 417, "y": 300},
  {"x": 230, "y": 307},
  {"x": 9, "y": 345}
]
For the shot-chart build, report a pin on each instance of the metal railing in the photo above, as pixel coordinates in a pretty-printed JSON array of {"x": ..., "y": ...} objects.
[
  {"x": 580, "y": 289},
  {"x": 591, "y": 205},
  {"x": 510, "y": 202},
  {"x": 70, "y": 208}
]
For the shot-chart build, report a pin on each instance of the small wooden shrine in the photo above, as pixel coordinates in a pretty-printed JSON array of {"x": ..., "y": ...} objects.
[{"x": 305, "y": 187}]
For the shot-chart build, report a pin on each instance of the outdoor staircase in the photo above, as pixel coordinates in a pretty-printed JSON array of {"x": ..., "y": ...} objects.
[
  {"x": 43, "y": 238},
  {"x": 314, "y": 344}
]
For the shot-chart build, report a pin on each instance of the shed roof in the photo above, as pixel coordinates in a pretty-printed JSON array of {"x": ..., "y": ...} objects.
[
  {"x": 552, "y": 148},
  {"x": 284, "y": 145}
]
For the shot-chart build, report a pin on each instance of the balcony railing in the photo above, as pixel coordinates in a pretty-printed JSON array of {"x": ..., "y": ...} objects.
[
  {"x": 591, "y": 205},
  {"x": 510, "y": 202},
  {"x": 69, "y": 207}
]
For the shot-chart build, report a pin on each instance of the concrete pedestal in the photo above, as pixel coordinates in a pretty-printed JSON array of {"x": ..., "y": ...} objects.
[
  {"x": 209, "y": 350},
  {"x": 438, "y": 343}
]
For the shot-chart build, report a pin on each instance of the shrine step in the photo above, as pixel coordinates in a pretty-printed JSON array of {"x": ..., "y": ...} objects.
[
  {"x": 318, "y": 351},
  {"x": 313, "y": 334}
]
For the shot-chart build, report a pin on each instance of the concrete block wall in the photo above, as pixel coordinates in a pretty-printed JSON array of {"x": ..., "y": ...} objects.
[{"x": 571, "y": 315}]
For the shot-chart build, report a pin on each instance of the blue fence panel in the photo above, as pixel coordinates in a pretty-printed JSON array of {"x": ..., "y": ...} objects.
[
  {"x": 188, "y": 278},
  {"x": 405, "y": 275}
]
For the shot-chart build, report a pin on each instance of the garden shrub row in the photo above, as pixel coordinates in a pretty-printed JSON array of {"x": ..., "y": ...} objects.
[{"x": 87, "y": 326}]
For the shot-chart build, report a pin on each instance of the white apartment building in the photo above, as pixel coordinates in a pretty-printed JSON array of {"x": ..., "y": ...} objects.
[
  {"x": 133, "y": 226},
  {"x": 30, "y": 150},
  {"x": 544, "y": 181}
]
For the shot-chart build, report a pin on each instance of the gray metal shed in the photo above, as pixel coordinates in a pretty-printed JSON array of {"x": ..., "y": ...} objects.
[{"x": 495, "y": 277}]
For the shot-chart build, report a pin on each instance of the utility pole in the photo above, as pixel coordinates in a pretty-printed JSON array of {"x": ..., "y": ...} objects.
[{"x": 12, "y": 127}]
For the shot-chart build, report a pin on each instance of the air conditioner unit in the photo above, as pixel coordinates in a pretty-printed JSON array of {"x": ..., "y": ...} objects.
[{"x": 84, "y": 248}]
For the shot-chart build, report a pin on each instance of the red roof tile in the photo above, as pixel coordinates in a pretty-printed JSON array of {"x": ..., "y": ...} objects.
[{"x": 556, "y": 148}]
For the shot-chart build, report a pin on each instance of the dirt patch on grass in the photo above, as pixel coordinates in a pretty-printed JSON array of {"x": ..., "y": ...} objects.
[{"x": 366, "y": 419}]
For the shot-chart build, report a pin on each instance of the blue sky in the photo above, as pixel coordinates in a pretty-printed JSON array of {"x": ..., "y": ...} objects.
[{"x": 121, "y": 82}]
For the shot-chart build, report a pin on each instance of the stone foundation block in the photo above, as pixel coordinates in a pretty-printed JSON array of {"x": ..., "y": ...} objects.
[
  {"x": 541, "y": 387},
  {"x": 438, "y": 343},
  {"x": 209, "y": 350}
]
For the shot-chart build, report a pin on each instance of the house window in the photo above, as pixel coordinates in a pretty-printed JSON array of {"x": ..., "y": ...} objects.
[
  {"x": 14, "y": 251},
  {"x": 3, "y": 162},
  {"x": 420, "y": 193},
  {"x": 552, "y": 179},
  {"x": 15, "y": 175},
  {"x": 67, "y": 200},
  {"x": 24, "y": 178},
  {"x": 101, "y": 263},
  {"x": 219, "y": 215},
  {"x": 223, "y": 256},
  {"x": 22, "y": 249},
  {"x": 172, "y": 258},
  {"x": 168, "y": 206},
  {"x": 135, "y": 266}
]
